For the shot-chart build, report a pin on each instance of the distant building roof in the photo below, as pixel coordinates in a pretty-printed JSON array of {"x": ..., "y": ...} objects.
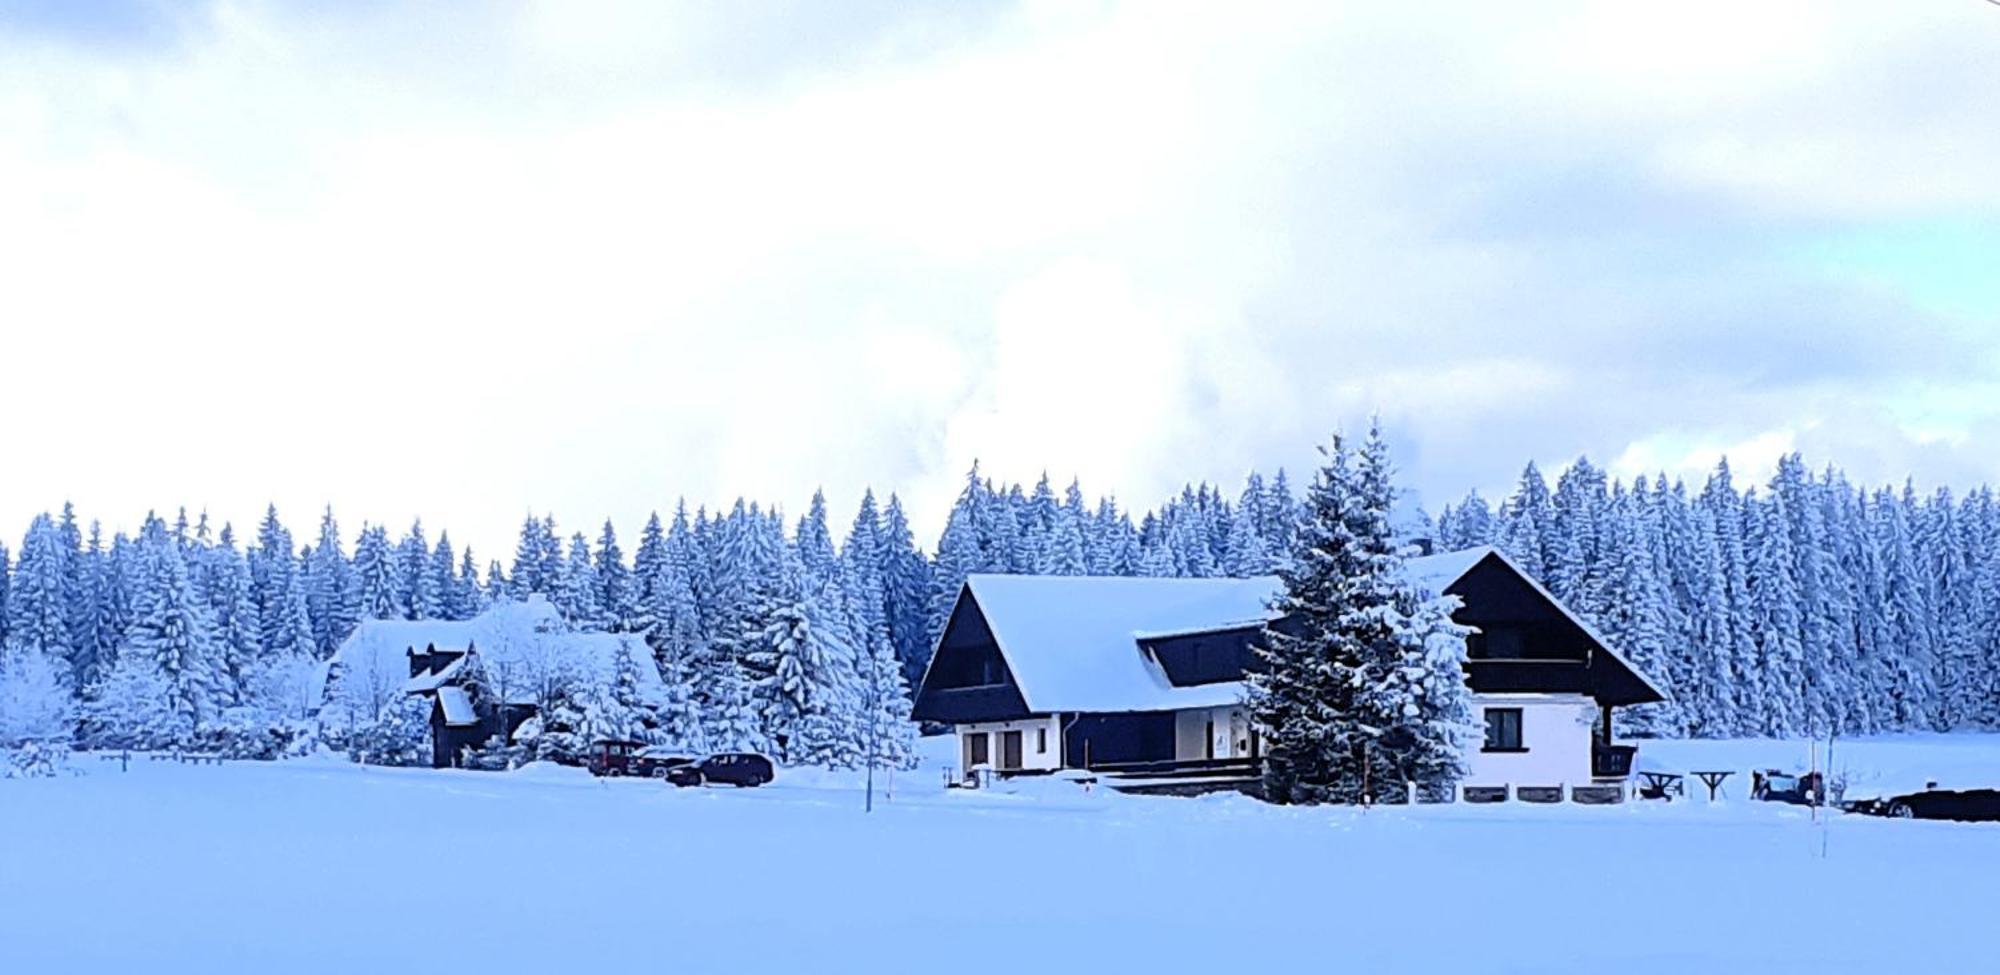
[
  {"x": 457, "y": 707},
  {"x": 521, "y": 644}
]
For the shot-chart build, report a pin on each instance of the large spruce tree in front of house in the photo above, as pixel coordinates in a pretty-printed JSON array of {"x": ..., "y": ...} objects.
[{"x": 1362, "y": 692}]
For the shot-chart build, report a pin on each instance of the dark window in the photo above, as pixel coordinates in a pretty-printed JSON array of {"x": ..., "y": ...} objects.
[
  {"x": 1041, "y": 741},
  {"x": 969, "y": 666},
  {"x": 1503, "y": 730}
]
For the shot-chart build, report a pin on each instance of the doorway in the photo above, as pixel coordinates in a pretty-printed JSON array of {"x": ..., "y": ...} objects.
[
  {"x": 976, "y": 753},
  {"x": 1010, "y": 750}
]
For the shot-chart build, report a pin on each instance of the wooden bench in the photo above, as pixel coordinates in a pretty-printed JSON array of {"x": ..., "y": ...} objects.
[
  {"x": 1539, "y": 793},
  {"x": 1597, "y": 795},
  {"x": 1486, "y": 793}
]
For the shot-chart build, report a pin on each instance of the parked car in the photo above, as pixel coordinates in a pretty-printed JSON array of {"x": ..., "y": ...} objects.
[
  {"x": 1966, "y": 805},
  {"x": 656, "y": 761},
  {"x": 612, "y": 757},
  {"x": 1771, "y": 785},
  {"x": 741, "y": 769}
]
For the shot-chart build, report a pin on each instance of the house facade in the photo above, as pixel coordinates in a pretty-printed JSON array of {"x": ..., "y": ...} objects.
[
  {"x": 457, "y": 721},
  {"x": 1145, "y": 677},
  {"x": 526, "y": 648}
]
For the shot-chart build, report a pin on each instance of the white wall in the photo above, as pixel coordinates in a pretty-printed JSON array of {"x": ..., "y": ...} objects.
[
  {"x": 1555, "y": 730},
  {"x": 1232, "y": 733},
  {"x": 1046, "y": 760}
]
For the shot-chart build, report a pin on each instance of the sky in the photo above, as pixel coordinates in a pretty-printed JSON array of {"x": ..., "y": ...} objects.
[{"x": 467, "y": 261}]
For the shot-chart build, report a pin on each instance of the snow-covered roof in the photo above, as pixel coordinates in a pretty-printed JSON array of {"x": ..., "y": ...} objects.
[
  {"x": 457, "y": 705},
  {"x": 528, "y": 640},
  {"x": 1073, "y": 642},
  {"x": 432, "y": 680}
]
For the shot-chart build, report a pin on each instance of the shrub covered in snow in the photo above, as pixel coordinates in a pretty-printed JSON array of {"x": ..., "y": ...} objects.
[
  {"x": 253, "y": 733},
  {"x": 400, "y": 735},
  {"x": 33, "y": 704},
  {"x": 495, "y": 755},
  {"x": 38, "y": 759}
]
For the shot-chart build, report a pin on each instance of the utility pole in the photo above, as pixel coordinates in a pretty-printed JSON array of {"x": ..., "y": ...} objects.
[{"x": 874, "y": 689}]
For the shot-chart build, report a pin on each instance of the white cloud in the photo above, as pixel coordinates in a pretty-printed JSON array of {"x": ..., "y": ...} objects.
[{"x": 461, "y": 262}]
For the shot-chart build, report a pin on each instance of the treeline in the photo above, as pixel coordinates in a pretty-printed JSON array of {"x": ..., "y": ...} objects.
[{"x": 1807, "y": 606}]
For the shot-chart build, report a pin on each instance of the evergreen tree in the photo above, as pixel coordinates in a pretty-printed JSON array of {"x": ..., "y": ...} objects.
[
  {"x": 38, "y": 616},
  {"x": 416, "y": 587},
  {"x": 332, "y": 596},
  {"x": 173, "y": 631},
  {"x": 1775, "y": 619},
  {"x": 1362, "y": 689},
  {"x": 906, "y": 583},
  {"x": 239, "y": 632},
  {"x": 446, "y": 597},
  {"x": 377, "y": 583},
  {"x": 614, "y": 581}
]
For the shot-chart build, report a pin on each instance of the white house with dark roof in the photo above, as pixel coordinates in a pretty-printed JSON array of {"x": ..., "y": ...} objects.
[{"x": 1145, "y": 676}]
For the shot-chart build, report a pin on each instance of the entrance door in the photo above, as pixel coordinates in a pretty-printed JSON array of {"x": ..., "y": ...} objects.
[
  {"x": 1010, "y": 749},
  {"x": 1209, "y": 736},
  {"x": 976, "y": 750}
]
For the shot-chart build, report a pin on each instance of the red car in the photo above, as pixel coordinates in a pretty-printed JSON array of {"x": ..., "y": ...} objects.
[{"x": 615, "y": 758}]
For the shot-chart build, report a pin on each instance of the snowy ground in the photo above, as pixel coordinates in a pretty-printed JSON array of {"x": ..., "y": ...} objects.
[{"x": 319, "y": 866}]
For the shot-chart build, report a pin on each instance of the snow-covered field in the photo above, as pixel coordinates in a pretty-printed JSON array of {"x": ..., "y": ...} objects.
[{"x": 321, "y": 866}]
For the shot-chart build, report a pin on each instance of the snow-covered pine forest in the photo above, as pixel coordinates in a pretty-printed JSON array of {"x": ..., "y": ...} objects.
[{"x": 1804, "y": 605}]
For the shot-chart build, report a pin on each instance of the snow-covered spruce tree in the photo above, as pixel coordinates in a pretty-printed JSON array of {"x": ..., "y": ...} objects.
[
  {"x": 564, "y": 735},
  {"x": 1775, "y": 610},
  {"x": 175, "y": 632},
  {"x": 445, "y": 593},
  {"x": 399, "y": 736},
  {"x": 1907, "y": 680},
  {"x": 37, "y": 617},
  {"x": 1303, "y": 697},
  {"x": 614, "y": 581},
  {"x": 1363, "y": 687},
  {"x": 415, "y": 585},
  {"x": 332, "y": 598},
  {"x": 34, "y": 703},
  {"x": 239, "y": 633},
  {"x": 798, "y": 690},
  {"x": 1634, "y": 598},
  {"x": 377, "y": 583},
  {"x": 641, "y": 716},
  {"x": 577, "y": 589},
  {"x": 1414, "y": 704}
]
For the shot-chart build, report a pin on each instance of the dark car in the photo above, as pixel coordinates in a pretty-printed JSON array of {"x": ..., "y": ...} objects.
[
  {"x": 741, "y": 769},
  {"x": 612, "y": 756},
  {"x": 658, "y": 760},
  {"x": 1771, "y": 785},
  {"x": 1967, "y": 805}
]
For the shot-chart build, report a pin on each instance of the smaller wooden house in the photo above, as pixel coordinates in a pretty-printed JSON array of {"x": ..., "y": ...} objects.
[
  {"x": 457, "y": 721},
  {"x": 525, "y": 647}
]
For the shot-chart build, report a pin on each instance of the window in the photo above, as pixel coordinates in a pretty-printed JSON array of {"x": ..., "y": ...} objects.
[
  {"x": 1503, "y": 730},
  {"x": 1041, "y": 741}
]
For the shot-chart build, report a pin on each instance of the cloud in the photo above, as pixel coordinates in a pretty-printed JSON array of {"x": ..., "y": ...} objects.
[{"x": 464, "y": 261}]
